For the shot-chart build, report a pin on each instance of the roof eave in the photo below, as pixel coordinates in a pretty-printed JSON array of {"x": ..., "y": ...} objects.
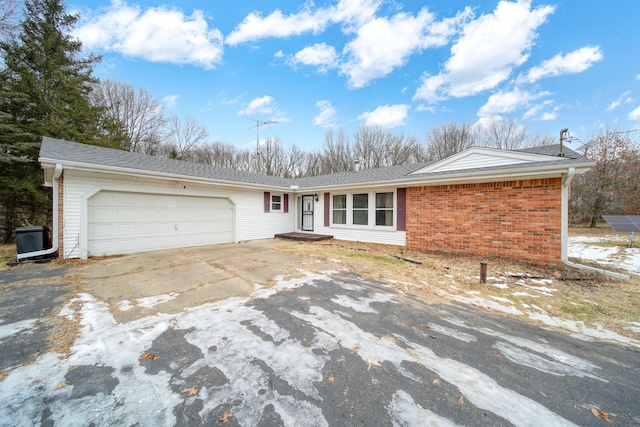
[
  {"x": 538, "y": 172},
  {"x": 90, "y": 167}
]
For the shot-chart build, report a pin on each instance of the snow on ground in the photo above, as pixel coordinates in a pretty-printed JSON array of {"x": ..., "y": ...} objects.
[{"x": 585, "y": 247}]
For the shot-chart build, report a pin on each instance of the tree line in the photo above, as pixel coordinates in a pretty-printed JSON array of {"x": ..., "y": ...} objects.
[{"x": 47, "y": 88}]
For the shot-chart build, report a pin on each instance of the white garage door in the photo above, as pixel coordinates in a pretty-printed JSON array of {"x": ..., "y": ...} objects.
[{"x": 121, "y": 223}]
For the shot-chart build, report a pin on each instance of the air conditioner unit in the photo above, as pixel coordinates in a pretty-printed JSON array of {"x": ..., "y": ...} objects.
[{"x": 32, "y": 239}]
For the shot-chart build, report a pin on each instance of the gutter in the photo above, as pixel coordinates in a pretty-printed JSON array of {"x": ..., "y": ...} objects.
[
  {"x": 54, "y": 239},
  {"x": 566, "y": 181}
]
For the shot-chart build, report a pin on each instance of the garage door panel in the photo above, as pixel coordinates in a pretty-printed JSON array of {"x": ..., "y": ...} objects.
[{"x": 122, "y": 222}]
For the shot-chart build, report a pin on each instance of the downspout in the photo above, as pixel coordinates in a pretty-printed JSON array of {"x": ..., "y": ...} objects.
[
  {"x": 564, "y": 230},
  {"x": 54, "y": 239}
]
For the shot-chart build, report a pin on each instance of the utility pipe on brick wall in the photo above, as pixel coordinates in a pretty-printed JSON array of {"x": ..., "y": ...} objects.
[
  {"x": 564, "y": 231},
  {"x": 54, "y": 239}
]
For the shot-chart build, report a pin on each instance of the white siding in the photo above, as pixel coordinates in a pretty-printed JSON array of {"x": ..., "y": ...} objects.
[
  {"x": 478, "y": 160},
  {"x": 251, "y": 222},
  {"x": 369, "y": 235}
]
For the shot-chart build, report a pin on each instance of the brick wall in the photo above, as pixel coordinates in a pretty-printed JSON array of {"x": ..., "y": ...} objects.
[
  {"x": 515, "y": 219},
  {"x": 61, "y": 216}
]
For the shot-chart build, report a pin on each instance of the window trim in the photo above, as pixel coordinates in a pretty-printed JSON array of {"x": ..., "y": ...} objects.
[
  {"x": 345, "y": 209},
  {"x": 371, "y": 210},
  {"x": 281, "y": 202}
]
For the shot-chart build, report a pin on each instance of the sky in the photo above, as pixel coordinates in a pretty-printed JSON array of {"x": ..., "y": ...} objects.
[{"x": 406, "y": 66}]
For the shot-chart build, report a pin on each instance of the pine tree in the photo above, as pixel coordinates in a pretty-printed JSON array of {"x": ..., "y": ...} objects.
[
  {"x": 44, "y": 90},
  {"x": 43, "y": 63}
]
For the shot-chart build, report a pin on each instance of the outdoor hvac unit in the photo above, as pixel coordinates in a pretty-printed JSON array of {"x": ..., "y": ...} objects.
[{"x": 32, "y": 239}]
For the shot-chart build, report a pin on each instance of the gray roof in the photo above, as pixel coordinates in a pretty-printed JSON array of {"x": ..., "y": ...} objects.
[
  {"x": 83, "y": 154},
  {"x": 67, "y": 151}
]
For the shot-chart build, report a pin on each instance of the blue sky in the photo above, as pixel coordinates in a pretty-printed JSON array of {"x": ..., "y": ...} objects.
[{"x": 403, "y": 65}]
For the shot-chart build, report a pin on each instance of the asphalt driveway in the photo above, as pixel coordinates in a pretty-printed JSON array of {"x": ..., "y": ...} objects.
[{"x": 291, "y": 341}]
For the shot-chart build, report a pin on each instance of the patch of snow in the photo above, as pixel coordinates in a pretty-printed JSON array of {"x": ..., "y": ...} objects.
[
  {"x": 479, "y": 302},
  {"x": 149, "y": 302},
  {"x": 501, "y": 299},
  {"x": 582, "y": 331},
  {"x": 525, "y": 294},
  {"x": 363, "y": 304},
  {"x": 543, "y": 282},
  {"x": 620, "y": 257},
  {"x": 14, "y": 328},
  {"x": 635, "y": 327},
  {"x": 500, "y": 285},
  {"x": 453, "y": 333},
  {"x": 596, "y": 239},
  {"x": 532, "y": 360},
  {"x": 404, "y": 411},
  {"x": 125, "y": 305},
  {"x": 477, "y": 387}
]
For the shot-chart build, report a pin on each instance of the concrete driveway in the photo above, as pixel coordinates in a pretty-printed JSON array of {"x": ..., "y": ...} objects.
[{"x": 246, "y": 335}]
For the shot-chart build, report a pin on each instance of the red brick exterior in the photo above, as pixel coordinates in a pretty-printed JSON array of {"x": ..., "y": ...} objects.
[
  {"x": 61, "y": 216},
  {"x": 516, "y": 219}
]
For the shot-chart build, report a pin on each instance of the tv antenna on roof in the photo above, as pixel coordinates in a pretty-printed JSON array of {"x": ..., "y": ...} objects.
[{"x": 260, "y": 123}]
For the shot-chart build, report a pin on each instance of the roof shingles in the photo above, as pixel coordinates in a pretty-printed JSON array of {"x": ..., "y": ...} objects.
[{"x": 73, "y": 152}]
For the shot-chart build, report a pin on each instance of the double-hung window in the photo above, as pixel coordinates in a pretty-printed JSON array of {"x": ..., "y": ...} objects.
[
  {"x": 340, "y": 209},
  {"x": 384, "y": 209},
  {"x": 361, "y": 209},
  {"x": 276, "y": 203}
]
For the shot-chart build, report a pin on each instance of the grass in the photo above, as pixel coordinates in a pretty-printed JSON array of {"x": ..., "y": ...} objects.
[
  {"x": 7, "y": 252},
  {"x": 591, "y": 298}
]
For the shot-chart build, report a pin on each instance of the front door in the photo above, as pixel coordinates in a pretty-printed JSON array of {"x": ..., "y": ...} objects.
[{"x": 307, "y": 213}]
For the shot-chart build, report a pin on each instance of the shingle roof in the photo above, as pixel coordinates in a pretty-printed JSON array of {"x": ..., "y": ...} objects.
[
  {"x": 72, "y": 152},
  {"x": 58, "y": 149}
]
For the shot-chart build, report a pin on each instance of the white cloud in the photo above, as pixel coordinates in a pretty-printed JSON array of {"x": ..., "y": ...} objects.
[
  {"x": 637, "y": 76},
  {"x": 319, "y": 55},
  {"x": 326, "y": 118},
  {"x": 625, "y": 98},
  {"x": 350, "y": 13},
  {"x": 488, "y": 50},
  {"x": 536, "y": 112},
  {"x": 428, "y": 108},
  {"x": 264, "y": 105},
  {"x": 635, "y": 114},
  {"x": 506, "y": 102},
  {"x": 386, "y": 116},
  {"x": 572, "y": 63},
  {"x": 383, "y": 44},
  {"x": 170, "y": 101},
  {"x": 158, "y": 34}
]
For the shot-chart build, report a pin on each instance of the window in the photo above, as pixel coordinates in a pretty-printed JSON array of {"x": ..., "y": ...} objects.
[
  {"x": 276, "y": 202},
  {"x": 384, "y": 209},
  {"x": 361, "y": 209},
  {"x": 340, "y": 209}
]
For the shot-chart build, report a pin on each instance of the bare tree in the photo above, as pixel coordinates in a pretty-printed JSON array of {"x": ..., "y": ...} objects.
[
  {"x": 611, "y": 187},
  {"x": 336, "y": 154},
  {"x": 8, "y": 18},
  {"x": 369, "y": 146},
  {"x": 448, "y": 139},
  {"x": 140, "y": 114},
  {"x": 185, "y": 135},
  {"x": 270, "y": 158},
  {"x": 400, "y": 150},
  {"x": 508, "y": 134}
]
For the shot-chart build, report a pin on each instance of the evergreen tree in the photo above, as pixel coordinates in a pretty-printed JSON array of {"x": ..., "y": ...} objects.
[
  {"x": 43, "y": 63},
  {"x": 44, "y": 90}
]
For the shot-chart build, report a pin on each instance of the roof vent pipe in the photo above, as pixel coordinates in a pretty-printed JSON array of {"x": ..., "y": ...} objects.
[{"x": 356, "y": 165}]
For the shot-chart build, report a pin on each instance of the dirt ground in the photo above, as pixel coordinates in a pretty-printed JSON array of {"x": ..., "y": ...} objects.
[{"x": 561, "y": 292}]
